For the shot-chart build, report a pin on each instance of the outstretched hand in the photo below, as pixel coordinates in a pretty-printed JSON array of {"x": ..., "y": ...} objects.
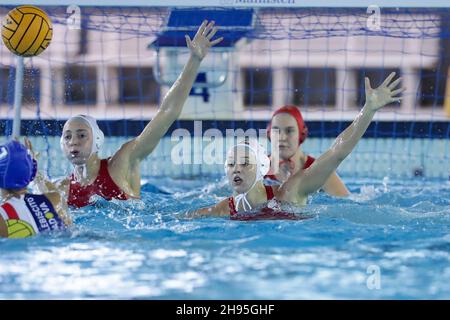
[
  {"x": 201, "y": 43},
  {"x": 386, "y": 93},
  {"x": 29, "y": 146}
]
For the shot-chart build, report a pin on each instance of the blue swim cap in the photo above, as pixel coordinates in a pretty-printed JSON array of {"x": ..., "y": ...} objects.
[{"x": 17, "y": 166}]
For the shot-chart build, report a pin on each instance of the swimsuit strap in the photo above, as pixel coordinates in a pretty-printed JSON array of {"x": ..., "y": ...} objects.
[
  {"x": 103, "y": 171},
  {"x": 309, "y": 161},
  {"x": 232, "y": 206},
  {"x": 269, "y": 192}
]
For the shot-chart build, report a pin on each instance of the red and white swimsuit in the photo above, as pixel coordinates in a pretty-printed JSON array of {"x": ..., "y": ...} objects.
[{"x": 104, "y": 186}]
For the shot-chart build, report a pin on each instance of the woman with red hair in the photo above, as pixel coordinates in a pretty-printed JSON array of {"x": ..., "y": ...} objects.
[{"x": 288, "y": 127}]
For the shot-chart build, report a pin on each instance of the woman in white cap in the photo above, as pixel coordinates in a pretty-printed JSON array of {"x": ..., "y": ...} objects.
[
  {"x": 119, "y": 177},
  {"x": 247, "y": 164}
]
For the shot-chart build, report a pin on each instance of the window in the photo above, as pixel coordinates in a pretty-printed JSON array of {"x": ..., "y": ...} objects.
[
  {"x": 257, "y": 87},
  {"x": 7, "y": 85},
  {"x": 376, "y": 76},
  {"x": 137, "y": 86},
  {"x": 31, "y": 85},
  {"x": 432, "y": 87},
  {"x": 314, "y": 86},
  {"x": 80, "y": 85}
]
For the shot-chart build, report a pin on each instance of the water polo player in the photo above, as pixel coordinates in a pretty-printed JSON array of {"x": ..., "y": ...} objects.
[
  {"x": 119, "y": 176},
  {"x": 287, "y": 122},
  {"x": 247, "y": 164},
  {"x": 23, "y": 214}
]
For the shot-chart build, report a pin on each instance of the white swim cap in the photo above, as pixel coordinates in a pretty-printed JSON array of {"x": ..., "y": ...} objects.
[
  {"x": 262, "y": 168},
  {"x": 262, "y": 160},
  {"x": 97, "y": 135}
]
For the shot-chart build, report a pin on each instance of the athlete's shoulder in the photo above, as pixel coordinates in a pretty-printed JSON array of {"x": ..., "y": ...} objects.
[
  {"x": 121, "y": 161},
  {"x": 124, "y": 152}
]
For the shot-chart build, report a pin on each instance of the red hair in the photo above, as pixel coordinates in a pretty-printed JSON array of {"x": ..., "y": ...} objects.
[{"x": 294, "y": 112}]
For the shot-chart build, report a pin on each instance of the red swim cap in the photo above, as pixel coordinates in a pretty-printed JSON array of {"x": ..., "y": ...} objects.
[{"x": 295, "y": 112}]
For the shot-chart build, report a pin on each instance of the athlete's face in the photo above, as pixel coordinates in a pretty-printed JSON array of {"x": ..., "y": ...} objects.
[
  {"x": 241, "y": 169},
  {"x": 77, "y": 141},
  {"x": 288, "y": 134}
]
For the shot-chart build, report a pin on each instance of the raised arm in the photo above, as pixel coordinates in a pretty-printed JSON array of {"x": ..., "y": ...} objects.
[
  {"x": 173, "y": 102},
  {"x": 313, "y": 178},
  {"x": 41, "y": 182}
]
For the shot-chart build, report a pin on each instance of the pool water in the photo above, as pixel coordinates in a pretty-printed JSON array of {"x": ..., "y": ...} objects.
[{"x": 390, "y": 239}]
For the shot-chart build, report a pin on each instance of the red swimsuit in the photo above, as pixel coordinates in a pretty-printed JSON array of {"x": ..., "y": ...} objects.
[
  {"x": 264, "y": 214},
  {"x": 104, "y": 186}
]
